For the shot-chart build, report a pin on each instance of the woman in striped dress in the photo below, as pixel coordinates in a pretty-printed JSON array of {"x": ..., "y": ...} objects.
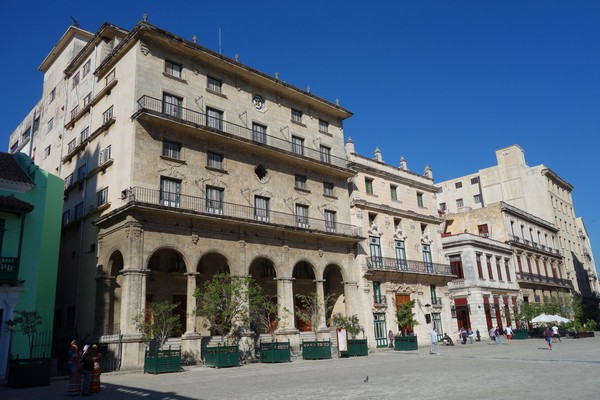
[
  {"x": 75, "y": 365},
  {"x": 95, "y": 382}
]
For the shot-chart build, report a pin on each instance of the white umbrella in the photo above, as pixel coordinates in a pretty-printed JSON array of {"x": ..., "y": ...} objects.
[{"x": 547, "y": 318}]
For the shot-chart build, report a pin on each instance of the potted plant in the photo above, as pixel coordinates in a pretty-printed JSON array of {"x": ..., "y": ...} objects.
[
  {"x": 356, "y": 347},
  {"x": 405, "y": 339},
  {"x": 156, "y": 326},
  {"x": 227, "y": 305},
  {"x": 266, "y": 317},
  {"x": 30, "y": 371},
  {"x": 309, "y": 312}
]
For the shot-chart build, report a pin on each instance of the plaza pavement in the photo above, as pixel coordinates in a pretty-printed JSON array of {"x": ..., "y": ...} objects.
[{"x": 524, "y": 369}]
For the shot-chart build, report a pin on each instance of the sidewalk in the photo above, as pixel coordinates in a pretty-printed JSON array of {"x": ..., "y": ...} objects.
[{"x": 524, "y": 369}]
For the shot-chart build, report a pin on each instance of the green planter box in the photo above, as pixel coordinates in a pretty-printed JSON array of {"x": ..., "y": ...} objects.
[
  {"x": 316, "y": 350},
  {"x": 356, "y": 348},
  {"x": 275, "y": 352},
  {"x": 579, "y": 335},
  {"x": 29, "y": 372},
  {"x": 162, "y": 361},
  {"x": 222, "y": 356},
  {"x": 519, "y": 334},
  {"x": 405, "y": 343}
]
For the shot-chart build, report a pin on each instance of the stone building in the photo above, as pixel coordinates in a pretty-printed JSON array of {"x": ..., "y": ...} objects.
[
  {"x": 401, "y": 258},
  {"x": 501, "y": 255},
  {"x": 180, "y": 163},
  {"x": 535, "y": 190}
]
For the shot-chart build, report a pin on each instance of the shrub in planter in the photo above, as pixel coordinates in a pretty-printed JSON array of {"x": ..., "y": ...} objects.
[{"x": 309, "y": 312}]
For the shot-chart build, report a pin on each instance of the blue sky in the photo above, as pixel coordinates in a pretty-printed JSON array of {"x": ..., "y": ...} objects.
[{"x": 444, "y": 83}]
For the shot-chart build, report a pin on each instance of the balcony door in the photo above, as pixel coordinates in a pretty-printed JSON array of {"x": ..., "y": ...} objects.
[
  {"x": 375, "y": 247},
  {"x": 170, "y": 192},
  {"x": 401, "y": 263},
  {"x": 381, "y": 339}
]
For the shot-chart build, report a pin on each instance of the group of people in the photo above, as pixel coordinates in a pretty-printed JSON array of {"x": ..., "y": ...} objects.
[
  {"x": 497, "y": 333},
  {"x": 85, "y": 369}
]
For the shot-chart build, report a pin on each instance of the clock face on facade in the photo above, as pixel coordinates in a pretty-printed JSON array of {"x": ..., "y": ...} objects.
[{"x": 258, "y": 102}]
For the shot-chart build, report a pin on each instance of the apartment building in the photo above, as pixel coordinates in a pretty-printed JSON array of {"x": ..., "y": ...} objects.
[
  {"x": 401, "y": 258},
  {"x": 535, "y": 190},
  {"x": 180, "y": 163},
  {"x": 502, "y": 255}
]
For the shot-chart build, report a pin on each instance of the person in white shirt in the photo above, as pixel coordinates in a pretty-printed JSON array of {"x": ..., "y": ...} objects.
[
  {"x": 509, "y": 334},
  {"x": 434, "y": 342},
  {"x": 555, "y": 333}
]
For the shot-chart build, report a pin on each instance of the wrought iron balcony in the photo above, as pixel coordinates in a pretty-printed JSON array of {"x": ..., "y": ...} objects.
[
  {"x": 197, "y": 119},
  {"x": 221, "y": 209},
  {"x": 419, "y": 267},
  {"x": 517, "y": 240},
  {"x": 9, "y": 269},
  {"x": 535, "y": 278}
]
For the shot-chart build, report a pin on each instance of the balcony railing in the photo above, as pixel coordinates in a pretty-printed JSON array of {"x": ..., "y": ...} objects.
[
  {"x": 533, "y": 245},
  {"x": 244, "y": 212},
  {"x": 195, "y": 118},
  {"x": 535, "y": 278},
  {"x": 9, "y": 269},
  {"x": 419, "y": 267}
]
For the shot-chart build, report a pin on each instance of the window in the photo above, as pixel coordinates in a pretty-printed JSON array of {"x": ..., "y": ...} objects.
[
  {"x": 213, "y": 84},
  {"x": 107, "y": 115},
  {"x": 52, "y": 95},
  {"x": 330, "y": 221},
  {"x": 214, "y": 200},
  {"x": 323, "y": 126},
  {"x": 173, "y": 69},
  {"x": 479, "y": 267},
  {"x": 172, "y": 105},
  {"x": 443, "y": 206},
  {"x": 82, "y": 172},
  {"x": 84, "y": 134},
  {"x": 50, "y": 124},
  {"x": 87, "y": 99},
  {"x": 420, "y": 200},
  {"x": 507, "y": 269},
  {"x": 261, "y": 208},
  {"x": 325, "y": 154},
  {"x": 459, "y": 203},
  {"x": 498, "y": 269},
  {"x": 170, "y": 192},
  {"x": 46, "y": 151},
  {"x": 259, "y": 133},
  {"x": 214, "y": 118},
  {"x": 72, "y": 145},
  {"x": 489, "y": 267},
  {"x": 66, "y": 217},
  {"x": 300, "y": 182},
  {"x": 328, "y": 188},
  {"x": 301, "y": 216},
  {"x": 87, "y": 67},
  {"x": 369, "y": 185},
  {"x": 14, "y": 147},
  {"x": 458, "y": 185},
  {"x": 296, "y": 116},
  {"x": 26, "y": 133},
  {"x": 376, "y": 292},
  {"x": 477, "y": 198},
  {"x": 36, "y": 124},
  {"x": 427, "y": 258},
  {"x": 214, "y": 160},
  {"x": 79, "y": 211},
  {"x": 401, "y": 264},
  {"x": 104, "y": 155},
  {"x": 68, "y": 181},
  {"x": 297, "y": 145},
  {"x": 75, "y": 80},
  {"x": 475, "y": 181},
  {"x": 171, "y": 150},
  {"x": 375, "y": 248},
  {"x": 102, "y": 196},
  {"x": 74, "y": 112},
  {"x": 483, "y": 230},
  {"x": 394, "y": 192}
]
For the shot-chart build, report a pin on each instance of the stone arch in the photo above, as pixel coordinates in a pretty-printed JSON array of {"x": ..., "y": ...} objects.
[
  {"x": 263, "y": 271},
  {"x": 111, "y": 293},
  {"x": 303, "y": 283},
  {"x": 167, "y": 281},
  {"x": 333, "y": 285},
  {"x": 211, "y": 263}
]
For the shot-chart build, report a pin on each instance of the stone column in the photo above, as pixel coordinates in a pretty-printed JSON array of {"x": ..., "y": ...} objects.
[
  {"x": 285, "y": 297},
  {"x": 105, "y": 286},
  {"x": 322, "y": 313},
  {"x": 190, "y": 323},
  {"x": 133, "y": 299},
  {"x": 350, "y": 295}
]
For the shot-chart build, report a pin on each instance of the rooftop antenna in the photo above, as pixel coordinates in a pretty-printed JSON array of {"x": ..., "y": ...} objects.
[
  {"x": 145, "y": 17},
  {"x": 75, "y": 23},
  {"x": 219, "y": 40}
]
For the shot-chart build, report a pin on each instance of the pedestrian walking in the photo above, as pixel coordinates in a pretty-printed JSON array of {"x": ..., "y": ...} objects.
[
  {"x": 509, "y": 334},
  {"x": 391, "y": 339},
  {"x": 74, "y": 363},
  {"x": 434, "y": 342},
  {"x": 548, "y": 336},
  {"x": 556, "y": 333},
  {"x": 87, "y": 366},
  {"x": 96, "y": 357}
]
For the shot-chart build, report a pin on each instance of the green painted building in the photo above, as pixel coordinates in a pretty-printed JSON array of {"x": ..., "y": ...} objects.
[{"x": 30, "y": 222}]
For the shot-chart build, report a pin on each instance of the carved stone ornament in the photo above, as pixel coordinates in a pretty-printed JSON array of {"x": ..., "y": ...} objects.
[
  {"x": 426, "y": 239},
  {"x": 374, "y": 230},
  {"x": 399, "y": 235},
  {"x": 195, "y": 238},
  {"x": 144, "y": 48}
]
